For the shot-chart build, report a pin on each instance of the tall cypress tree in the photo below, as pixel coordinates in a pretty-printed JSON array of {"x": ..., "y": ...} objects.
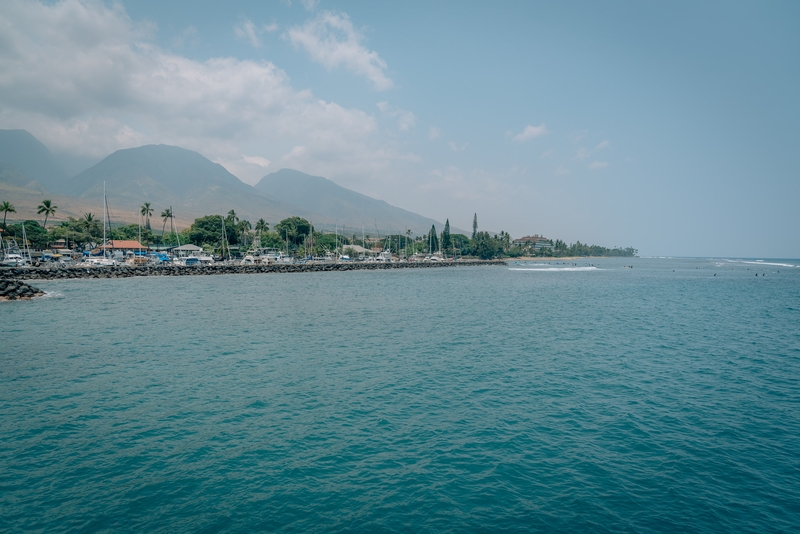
[
  {"x": 474, "y": 225},
  {"x": 433, "y": 239},
  {"x": 446, "y": 243}
]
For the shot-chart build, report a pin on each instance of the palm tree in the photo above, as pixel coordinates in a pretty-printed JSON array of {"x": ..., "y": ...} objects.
[
  {"x": 48, "y": 209},
  {"x": 146, "y": 212},
  {"x": 232, "y": 219},
  {"x": 243, "y": 227},
  {"x": 262, "y": 226},
  {"x": 7, "y": 207},
  {"x": 167, "y": 215},
  {"x": 88, "y": 222}
]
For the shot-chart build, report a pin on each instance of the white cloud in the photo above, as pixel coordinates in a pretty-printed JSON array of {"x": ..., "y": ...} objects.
[
  {"x": 405, "y": 119},
  {"x": 256, "y": 160},
  {"x": 561, "y": 171},
  {"x": 84, "y": 78},
  {"x": 434, "y": 133},
  {"x": 331, "y": 39},
  {"x": 530, "y": 132},
  {"x": 603, "y": 144},
  {"x": 547, "y": 154},
  {"x": 247, "y": 30},
  {"x": 582, "y": 154},
  {"x": 597, "y": 165},
  {"x": 252, "y": 166},
  {"x": 455, "y": 148}
]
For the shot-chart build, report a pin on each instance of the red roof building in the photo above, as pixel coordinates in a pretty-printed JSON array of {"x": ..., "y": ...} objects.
[{"x": 123, "y": 244}]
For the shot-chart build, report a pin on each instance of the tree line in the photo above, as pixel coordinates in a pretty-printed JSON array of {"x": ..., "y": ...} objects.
[{"x": 293, "y": 234}]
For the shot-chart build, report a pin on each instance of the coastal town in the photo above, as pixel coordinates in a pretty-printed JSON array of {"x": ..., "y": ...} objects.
[{"x": 229, "y": 240}]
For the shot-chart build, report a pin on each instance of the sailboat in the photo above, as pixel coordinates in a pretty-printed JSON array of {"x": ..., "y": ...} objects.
[
  {"x": 12, "y": 255},
  {"x": 105, "y": 261}
]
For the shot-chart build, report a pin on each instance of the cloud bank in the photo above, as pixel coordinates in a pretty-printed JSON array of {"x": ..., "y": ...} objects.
[{"x": 84, "y": 78}]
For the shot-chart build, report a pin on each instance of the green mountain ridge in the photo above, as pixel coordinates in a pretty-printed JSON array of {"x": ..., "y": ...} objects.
[{"x": 172, "y": 176}]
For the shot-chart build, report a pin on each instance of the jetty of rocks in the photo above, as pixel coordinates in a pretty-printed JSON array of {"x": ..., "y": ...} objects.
[
  {"x": 17, "y": 290},
  {"x": 125, "y": 271}
]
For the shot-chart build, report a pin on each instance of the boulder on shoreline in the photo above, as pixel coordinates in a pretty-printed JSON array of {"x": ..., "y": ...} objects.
[
  {"x": 124, "y": 271},
  {"x": 17, "y": 290}
]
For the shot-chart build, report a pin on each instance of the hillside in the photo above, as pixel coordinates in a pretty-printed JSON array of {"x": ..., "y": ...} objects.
[
  {"x": 173, "y": 176},
  {"x": 31, "y": 159},
  {"x": 11, "y": 175},
  {"x": 193, "y": 185},
  {"x": 324, "y": 197}
]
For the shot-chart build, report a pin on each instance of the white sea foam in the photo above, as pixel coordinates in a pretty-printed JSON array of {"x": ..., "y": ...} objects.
[
  {"x": 762, "y": 262},
  {"x": 554, "y": 269}
]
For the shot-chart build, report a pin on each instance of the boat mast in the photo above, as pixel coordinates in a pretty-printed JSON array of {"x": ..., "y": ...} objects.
[
  {"x": 105, "y": 214},
  {"x": 25, "y": 242},
  {"x": 224, "y": 240},
  {"x": 174, "y": 227}
]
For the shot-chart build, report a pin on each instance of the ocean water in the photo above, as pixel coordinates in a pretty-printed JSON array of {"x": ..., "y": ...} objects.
[{"x": 561, "y": 397}]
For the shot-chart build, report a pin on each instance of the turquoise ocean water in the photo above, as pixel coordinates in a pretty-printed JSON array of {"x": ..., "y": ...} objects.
[{"x": 566, "y": 398}]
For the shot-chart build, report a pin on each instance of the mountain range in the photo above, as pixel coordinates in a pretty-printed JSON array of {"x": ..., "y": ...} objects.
[{"x": 170, "y": 176}]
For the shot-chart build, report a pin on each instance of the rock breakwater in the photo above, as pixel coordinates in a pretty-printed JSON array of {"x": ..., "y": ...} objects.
[
  {"x": 124, "y": 271},
  {"x": 18, "y": 290}
]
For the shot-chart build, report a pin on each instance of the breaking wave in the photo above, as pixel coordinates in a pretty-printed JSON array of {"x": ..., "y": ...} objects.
[{"x": 554, "y": 269}]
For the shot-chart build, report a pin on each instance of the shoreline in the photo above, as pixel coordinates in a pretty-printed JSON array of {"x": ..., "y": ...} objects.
[
  {"x": 68, "y": 273},
  {"x": 568, "y": 258}
]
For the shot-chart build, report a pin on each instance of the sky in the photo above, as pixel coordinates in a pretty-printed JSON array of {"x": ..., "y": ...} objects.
[{"x": 671, "y": 127}]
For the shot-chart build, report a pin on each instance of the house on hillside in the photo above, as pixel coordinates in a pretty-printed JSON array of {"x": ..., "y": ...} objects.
[{"x": 536, "y": 241}]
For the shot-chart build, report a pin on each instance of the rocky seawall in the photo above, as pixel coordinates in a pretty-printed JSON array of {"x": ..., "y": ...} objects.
[
  {"x": 59, "y": 273},
  {"x": 17, "y": 290}
]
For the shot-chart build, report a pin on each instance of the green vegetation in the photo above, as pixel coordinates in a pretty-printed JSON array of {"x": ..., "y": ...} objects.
[
  {"x": 36, "y": 234},
  {"x": 294, "y": 229},
  {"x": 446, "y": 243},
  {"x": 293, "y": 235}
]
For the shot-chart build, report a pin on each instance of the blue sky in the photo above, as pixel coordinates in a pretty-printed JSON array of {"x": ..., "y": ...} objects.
[{"x": 669, "y": 127}]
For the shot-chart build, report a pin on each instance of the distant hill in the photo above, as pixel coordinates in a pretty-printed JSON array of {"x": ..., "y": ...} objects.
[
  {"x": 11, "y": 175},
  {"x": 193, "y": 185},
  {"x": 31, "y": 158},
  {"x": 324, "y": 197},
  {"x": 173, "y": 176}
]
